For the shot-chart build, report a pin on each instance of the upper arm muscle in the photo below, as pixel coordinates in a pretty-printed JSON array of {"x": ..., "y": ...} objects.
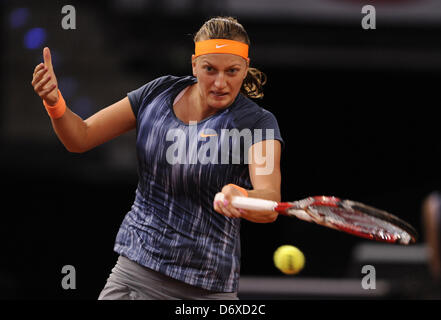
[{"x": 264, "y": 166}]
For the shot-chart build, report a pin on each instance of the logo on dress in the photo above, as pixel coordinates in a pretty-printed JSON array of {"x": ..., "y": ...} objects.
[{"x": 205, "y": 135}]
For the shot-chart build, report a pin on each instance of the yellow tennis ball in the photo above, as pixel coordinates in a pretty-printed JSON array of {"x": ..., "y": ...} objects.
[{"x": 289, "y": 259}]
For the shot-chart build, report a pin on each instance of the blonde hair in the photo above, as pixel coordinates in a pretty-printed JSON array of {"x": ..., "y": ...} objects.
[{"x": 229, "y": 28}]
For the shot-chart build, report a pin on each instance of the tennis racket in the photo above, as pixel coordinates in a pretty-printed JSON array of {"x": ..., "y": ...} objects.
[{"x": 344, "y": 215}]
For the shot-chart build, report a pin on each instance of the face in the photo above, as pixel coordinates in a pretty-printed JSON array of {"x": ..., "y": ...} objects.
[{"x": 220, "y": 78}]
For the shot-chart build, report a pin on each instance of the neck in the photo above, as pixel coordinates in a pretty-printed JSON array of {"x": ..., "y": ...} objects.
[
  {"x": 197, "y": 106},
  {"x": 192, "y": 106}
]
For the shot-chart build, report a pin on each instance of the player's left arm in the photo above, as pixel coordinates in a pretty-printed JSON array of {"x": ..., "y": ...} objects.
[{"x": 264, "y": 169}]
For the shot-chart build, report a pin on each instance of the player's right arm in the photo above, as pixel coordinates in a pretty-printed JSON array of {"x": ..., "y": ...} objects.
[{"x": 76, "y": 134}]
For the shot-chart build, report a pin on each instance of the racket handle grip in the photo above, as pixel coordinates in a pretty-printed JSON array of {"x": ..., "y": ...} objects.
[{"x": 249, "y": 203}]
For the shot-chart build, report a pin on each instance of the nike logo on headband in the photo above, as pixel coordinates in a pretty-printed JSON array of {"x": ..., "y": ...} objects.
[{"x": 220, "y": 46}]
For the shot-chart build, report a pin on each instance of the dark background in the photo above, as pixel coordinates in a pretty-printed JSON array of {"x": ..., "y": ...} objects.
[{"x": 357, "y": 110}]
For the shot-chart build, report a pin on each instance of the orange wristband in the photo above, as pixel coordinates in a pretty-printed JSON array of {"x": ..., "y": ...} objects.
[
  {"x": 56, "y": 111},
  {"x": 244, "y": 192}
]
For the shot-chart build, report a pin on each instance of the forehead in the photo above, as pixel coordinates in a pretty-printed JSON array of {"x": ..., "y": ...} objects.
[{"x": 221, "y": 59}]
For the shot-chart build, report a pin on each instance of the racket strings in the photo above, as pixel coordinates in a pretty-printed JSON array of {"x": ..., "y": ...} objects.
[{"x": 360, "y": 223}]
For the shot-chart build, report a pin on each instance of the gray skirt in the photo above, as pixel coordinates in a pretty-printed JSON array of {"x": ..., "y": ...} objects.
[{"x": 131, "y": 281}]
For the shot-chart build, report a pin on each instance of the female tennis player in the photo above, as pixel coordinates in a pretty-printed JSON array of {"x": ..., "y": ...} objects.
[{"x": 175, "y": 243}]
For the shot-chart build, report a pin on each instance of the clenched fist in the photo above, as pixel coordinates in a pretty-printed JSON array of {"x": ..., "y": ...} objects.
[{"x": 44, "y": 80}]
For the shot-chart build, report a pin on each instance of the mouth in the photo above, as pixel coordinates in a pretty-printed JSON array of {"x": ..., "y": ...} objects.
[{"x": 218, "y": 94}]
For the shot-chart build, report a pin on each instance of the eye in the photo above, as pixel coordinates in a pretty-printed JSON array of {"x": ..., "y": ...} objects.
[
  {"x": 233, "y": 70},
  {"x": 208, "y": 68}
]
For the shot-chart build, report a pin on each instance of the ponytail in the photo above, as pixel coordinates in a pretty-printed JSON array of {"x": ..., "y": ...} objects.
[{"x": 253, "y": 84}]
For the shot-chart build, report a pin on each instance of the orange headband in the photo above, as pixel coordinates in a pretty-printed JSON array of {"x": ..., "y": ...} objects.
[{"x": 221, "y": 46}]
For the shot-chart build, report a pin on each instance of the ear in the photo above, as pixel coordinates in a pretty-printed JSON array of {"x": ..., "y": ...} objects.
[{"x": 193, "y": 65}]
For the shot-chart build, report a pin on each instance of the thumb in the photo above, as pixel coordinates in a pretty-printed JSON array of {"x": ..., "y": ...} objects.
[{"x": 47, "y": 57}]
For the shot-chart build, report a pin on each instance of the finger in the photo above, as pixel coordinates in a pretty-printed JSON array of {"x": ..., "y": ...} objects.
[
  {"x": 47, "y": 57},
  {"x": 216, "y": 207},
  {"x": 47, "y": 90},
  {"x": 215, "y": 204},
  {"x": 38, "y": 67},
  {"x": 223, "y": 211},
  {"x": 217, "y": 200},
  {"x": 229, "y": 210},
  {"x": 36, "y": 72},
  {"x": 41, "y": 85},
  {"x": 38, "y": 76},
  {"x": 228, "y": 206},
  {"x": 223, "y": 206},
  {"x": 234, "y": 211}
]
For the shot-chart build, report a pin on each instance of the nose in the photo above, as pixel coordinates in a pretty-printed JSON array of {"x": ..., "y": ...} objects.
[{"x": 220, "y": 81}]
